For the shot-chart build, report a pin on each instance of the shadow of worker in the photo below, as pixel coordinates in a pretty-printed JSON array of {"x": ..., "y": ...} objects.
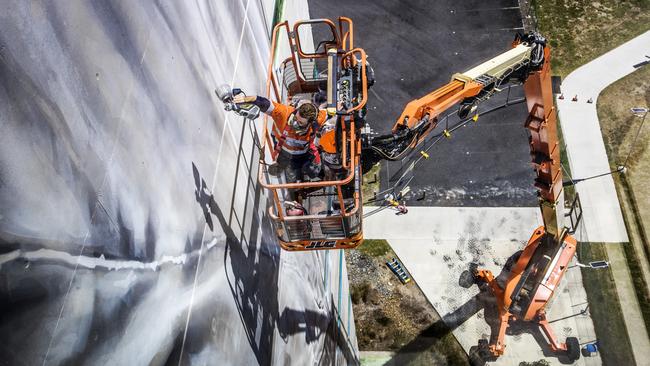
[{"x": 251, "y": 267}]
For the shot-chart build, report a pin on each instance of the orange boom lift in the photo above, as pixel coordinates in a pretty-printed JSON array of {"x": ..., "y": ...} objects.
[{"x": 320, "y": 58}]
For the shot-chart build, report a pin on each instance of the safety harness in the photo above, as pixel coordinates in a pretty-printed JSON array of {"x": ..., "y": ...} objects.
[{"x": 312, "y": 146}]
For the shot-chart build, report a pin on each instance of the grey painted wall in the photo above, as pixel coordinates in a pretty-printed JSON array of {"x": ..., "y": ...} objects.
[{"x": 132, "y": 228}]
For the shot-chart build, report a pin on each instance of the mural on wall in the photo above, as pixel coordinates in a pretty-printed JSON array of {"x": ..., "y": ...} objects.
[{"x": 132, "y": 230}]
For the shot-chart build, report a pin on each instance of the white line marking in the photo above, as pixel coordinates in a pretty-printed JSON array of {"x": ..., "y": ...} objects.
[{"x": 100, "y": 262}]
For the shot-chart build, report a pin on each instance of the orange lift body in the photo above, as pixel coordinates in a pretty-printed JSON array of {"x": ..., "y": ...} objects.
[{"x": 539, "y": 269}]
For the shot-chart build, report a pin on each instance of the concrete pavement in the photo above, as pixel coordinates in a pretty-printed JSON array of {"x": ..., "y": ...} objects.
[{"x": 585, "y": 148}]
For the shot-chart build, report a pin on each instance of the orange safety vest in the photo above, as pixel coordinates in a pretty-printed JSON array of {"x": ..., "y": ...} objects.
[
  {"x": 327, "y": 139},
  {"x": 327, "y": 144},
  {"x": 293, "y": 143}
]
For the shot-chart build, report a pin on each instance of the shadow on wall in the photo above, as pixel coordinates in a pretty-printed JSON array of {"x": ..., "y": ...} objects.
[
  {"x": 253, "y": 282},
  {"x": 315, "y": 324},
  {"x": 254, "y": 278}
]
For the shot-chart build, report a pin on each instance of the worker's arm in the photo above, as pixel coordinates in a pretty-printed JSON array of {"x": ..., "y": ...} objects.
[
  {"x": 278, "y": 112},
  {"x": 265, "y": 105}
]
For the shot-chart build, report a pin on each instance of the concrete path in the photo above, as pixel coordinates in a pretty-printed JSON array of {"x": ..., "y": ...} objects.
[
  {"x": 602, "y": 220},
  {"x": 437, "y": 244},
  {"x": 582, "y": 135}
]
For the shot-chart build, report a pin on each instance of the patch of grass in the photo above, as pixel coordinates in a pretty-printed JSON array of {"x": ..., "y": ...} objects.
[
  {"x": 453, "y": 352},
  {"x": 570, "y": 191},
  {"x": 620, "y": 128},
  {"x": 370, "y": 184},
  {"x": 374, "y": 247},
  {"x": 581, "y": 30},
  {"x": 394, "y": 317},
  {"x": 604, "y": 307},
  {"x": 631, "y": 255}
]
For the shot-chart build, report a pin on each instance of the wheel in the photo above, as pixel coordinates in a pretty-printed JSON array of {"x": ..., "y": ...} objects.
[
  {"x": 572, "y": 348},
  {"x": 465, "y": 108},
  {"x": 484, "y": 349},
  {"x": 473, "y": 268}
]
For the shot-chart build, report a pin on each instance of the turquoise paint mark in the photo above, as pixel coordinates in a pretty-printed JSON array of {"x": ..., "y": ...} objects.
[
  {"x": 349, "y": 309},
  {"x": 340, "y": 280}
]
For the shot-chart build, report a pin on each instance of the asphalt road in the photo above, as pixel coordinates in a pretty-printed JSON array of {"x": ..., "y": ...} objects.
[{"x": 414, "y": 47}]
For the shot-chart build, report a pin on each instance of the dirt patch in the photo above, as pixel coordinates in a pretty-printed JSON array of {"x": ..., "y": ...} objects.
[{"x": 391, "y": 316}]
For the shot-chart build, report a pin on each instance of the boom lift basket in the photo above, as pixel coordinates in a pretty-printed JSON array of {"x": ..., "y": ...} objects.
[{"x": 318, "y": 56}]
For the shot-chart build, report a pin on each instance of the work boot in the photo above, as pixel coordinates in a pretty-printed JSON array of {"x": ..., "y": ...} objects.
[
  {"x": 274, "y": 169},
  {"x": 294, "y": 208}
]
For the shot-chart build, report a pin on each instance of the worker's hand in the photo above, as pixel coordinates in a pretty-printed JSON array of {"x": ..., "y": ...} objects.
[{"x": 241, "y": 98}]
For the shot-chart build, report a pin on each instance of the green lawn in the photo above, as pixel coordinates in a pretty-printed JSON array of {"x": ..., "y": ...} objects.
[
  {"x": 581, "y": 30},
  {"x": 604, "y": 307}
]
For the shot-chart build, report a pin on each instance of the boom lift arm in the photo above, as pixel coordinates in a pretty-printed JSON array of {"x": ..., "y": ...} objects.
[{"x": 465, "y": 89}]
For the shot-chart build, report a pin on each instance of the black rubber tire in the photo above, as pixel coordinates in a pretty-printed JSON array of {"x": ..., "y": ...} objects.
[
  {"x": 464, "y": 110},
  {"x": 572, "y": 348},
  {"x": 473, "y": 268},
  {"x": 466, "y": 279}
]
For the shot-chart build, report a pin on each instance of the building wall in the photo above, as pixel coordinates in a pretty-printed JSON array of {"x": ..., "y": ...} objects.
[{"x": 132, "y": 227}]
